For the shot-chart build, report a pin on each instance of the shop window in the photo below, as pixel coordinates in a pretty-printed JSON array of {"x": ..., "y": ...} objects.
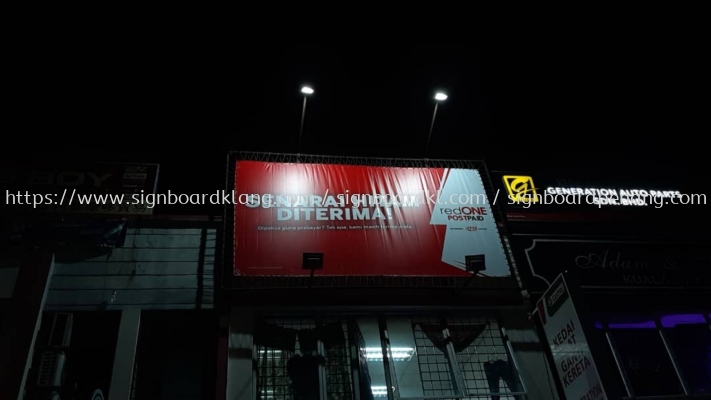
[
  {"x": 298, "y": 359},
  {"x": 607, "y": 344},
  {"x": 402, "y": 357},
  {"x": 481, "y": 356},
  {"x": 644, "y": 357},
  {"x": 371, "y": 370},
  {"x": 458, "y": 357},
  {"x": 421, "y": 368},
  {"x": 690, "y": 339}
]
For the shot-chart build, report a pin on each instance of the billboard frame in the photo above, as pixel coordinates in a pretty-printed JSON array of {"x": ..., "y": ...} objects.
[{"x": 229, "y": 282}]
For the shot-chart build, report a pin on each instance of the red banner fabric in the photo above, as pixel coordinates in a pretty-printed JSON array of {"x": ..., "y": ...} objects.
[{"x": 365, "y": 220}]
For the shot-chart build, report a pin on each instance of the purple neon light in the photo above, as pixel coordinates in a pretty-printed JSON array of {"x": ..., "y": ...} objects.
[
  {"x": 637, "y": 325},
  {"x": 668, "y": 321}
]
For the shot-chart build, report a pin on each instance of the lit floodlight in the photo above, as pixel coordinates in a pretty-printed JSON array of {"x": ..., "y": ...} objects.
[
  {"x": 308, "y": 90},
  {"x": 440, "y": 96}
]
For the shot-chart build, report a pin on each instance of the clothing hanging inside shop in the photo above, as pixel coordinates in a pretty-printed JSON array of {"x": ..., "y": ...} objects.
[
  {"x": 303, "y": 372},
  {"x": 303, "y": 365},
  {"x": 499, "y": 370}
]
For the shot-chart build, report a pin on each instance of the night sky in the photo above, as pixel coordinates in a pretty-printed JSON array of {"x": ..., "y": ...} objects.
[{"x": 628, "y": 106}]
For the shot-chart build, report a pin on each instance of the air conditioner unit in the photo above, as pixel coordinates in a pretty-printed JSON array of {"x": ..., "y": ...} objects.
[
  {"x": 53, "y": 357},
  {"x": 50, "y": 369}
]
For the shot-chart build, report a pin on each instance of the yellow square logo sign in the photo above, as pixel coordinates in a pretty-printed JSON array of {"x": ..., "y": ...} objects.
[{"x": 520, "y": 188}]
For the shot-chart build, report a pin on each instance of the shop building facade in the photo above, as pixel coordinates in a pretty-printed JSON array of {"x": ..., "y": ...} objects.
[
  {"x": 339, "y": 307},
  {"x": 315, "y": 300},
  {"x": 125, "y": 321},
  {"x": 642, "y": 273},
  {"x": 107, "y": 302}
]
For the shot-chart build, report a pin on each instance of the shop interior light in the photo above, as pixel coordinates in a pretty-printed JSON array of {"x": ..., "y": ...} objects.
[
  {"x": 397, "y": 353},
  {"x": 371, "y": 353},
  {"x": 379, "y": 391}
]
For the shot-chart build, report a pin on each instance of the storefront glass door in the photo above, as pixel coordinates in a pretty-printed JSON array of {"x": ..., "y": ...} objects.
[{"x": 660, "y": 355}]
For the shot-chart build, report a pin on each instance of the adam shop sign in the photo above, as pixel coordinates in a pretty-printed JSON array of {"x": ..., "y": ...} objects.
[{"x": 617, "y": 264}]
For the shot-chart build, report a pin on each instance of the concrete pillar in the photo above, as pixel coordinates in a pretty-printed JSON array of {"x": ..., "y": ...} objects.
[
  {"x": 19, "y": 330},
  {"x": 124, "y": 360},
  {"x": 223, "y": 336},
  {"x": 530, "y": 355},
  {"x": 240, "y": 364}
]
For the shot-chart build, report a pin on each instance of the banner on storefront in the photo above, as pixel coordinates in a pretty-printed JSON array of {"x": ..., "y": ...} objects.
[
  {"x": 574, "y": 364},
  {"x": 364, "y": 220}
]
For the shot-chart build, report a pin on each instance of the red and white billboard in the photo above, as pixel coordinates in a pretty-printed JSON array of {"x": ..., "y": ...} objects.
[{"x": 365, "y": 220}]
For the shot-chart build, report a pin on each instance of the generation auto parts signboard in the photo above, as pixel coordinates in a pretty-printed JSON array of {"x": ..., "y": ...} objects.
[
  {"x": 542, "y": 197},
  {"x": 365, "y": 220}
]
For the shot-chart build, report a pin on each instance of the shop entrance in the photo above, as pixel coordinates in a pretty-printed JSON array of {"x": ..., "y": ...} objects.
[{"x": 388, "y": 358}]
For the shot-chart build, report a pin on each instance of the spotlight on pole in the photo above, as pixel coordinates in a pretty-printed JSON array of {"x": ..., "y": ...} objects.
[
  {"x": 306, "y": 90},
  {"x": 439, "y": 96}
]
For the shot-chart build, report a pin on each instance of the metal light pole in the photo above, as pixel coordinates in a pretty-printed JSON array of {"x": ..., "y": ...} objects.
[
  {"x": 438, "y": 97},
  {"x": 306, "y": 91}
]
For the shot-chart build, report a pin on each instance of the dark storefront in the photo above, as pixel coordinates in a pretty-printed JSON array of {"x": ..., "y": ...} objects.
[
  {"x": 643, "y": 273},
  {"x": 372, "y": 307},
  {"x": 103, "y": 300}
]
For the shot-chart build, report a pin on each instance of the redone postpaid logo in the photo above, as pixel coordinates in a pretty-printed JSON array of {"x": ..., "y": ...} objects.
[{"x": 464, "y": 213}]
